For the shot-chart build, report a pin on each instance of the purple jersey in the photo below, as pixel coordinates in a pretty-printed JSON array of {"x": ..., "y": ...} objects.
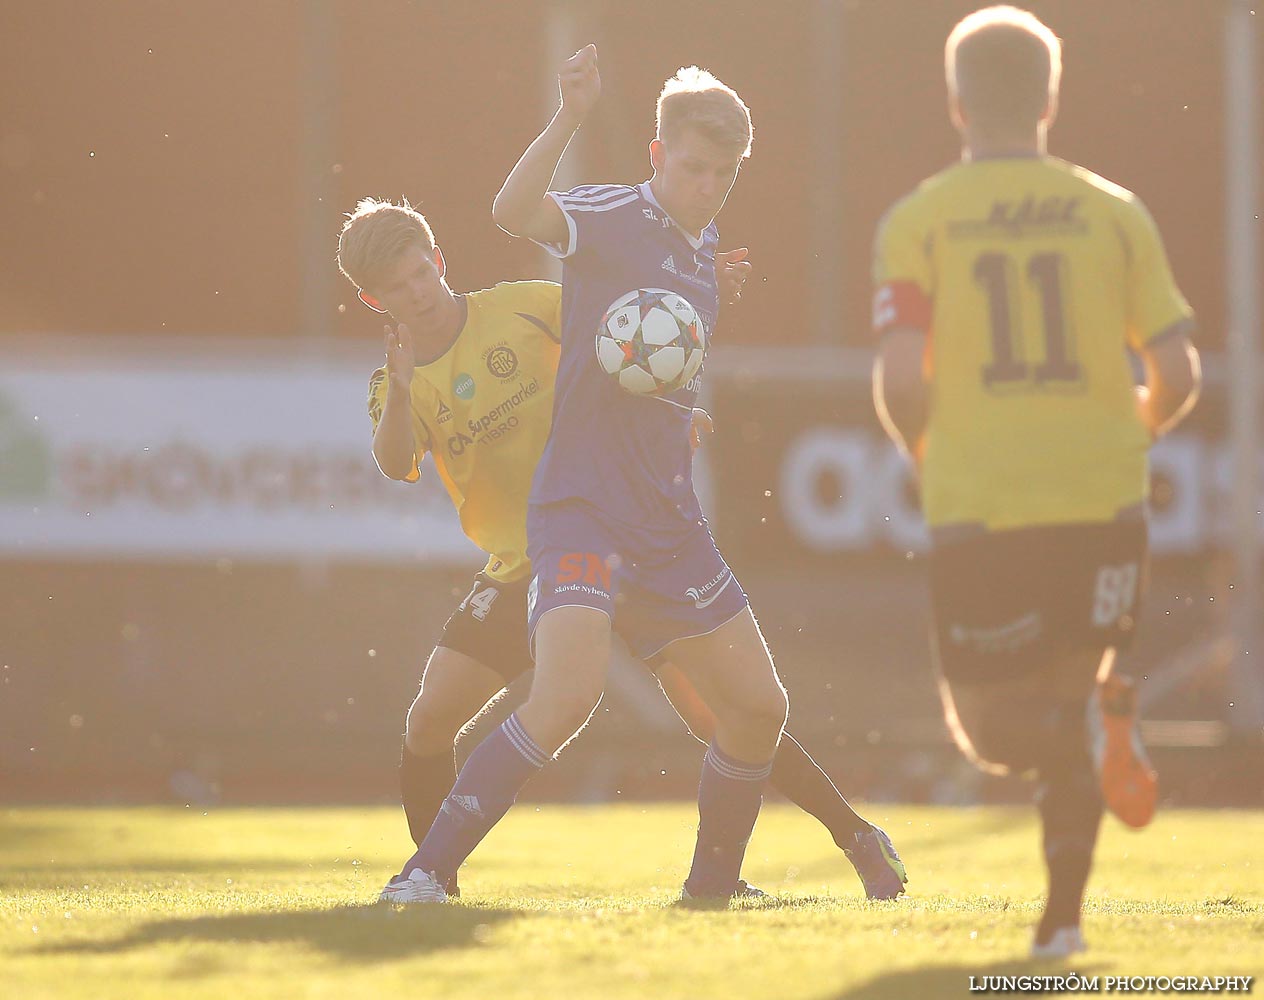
[{"x": 627, "y": 456}]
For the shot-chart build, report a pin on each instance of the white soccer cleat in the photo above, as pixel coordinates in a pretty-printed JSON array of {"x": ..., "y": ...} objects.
[
  {"x": 743, "y": 890},
  {"x": 415, "y": 887},
  {"x": 1066, "y": 941}
]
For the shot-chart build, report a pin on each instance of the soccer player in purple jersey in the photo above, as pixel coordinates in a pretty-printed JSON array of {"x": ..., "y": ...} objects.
[
  {"x": 616, "y": 537},
  {"x": 437, "y": 338}
]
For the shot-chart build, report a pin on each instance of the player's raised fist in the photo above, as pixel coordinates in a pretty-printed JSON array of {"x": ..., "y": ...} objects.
[
  {"x": 580, "y": 83},
  {"x": 400, "y": 357}
]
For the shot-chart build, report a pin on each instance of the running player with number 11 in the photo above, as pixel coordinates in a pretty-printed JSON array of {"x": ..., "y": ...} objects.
[{"x": 1009, "y": 289}]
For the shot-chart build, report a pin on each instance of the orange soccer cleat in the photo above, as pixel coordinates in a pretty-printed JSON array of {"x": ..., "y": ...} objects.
[{"x": 1130, "y": 786}]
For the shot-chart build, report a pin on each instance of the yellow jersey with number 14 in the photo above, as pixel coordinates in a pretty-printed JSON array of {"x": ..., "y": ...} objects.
[
  {"x": 1032, "y": 277},
  {"x": 483, "y": 411}
]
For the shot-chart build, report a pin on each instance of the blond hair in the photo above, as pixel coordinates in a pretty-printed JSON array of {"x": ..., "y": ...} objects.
[
  {"x": 1003, "y": 66},
  {"x": 374, "y": 236},
  {"x": 695, "y": 99}
]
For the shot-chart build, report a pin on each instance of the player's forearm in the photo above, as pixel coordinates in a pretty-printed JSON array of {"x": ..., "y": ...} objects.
[
  {"x": 904, "y": 416},
  {"x": 518, "y": 205},
  {"x": 901, "y": 395},
  {"x": 393, "y": 446},
  {"x": 1173, "y": 377},
  {"x": 1171, "y": 400}
]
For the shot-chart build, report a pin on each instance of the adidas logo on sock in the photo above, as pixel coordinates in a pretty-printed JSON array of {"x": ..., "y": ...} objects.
[{"x": 467, "y": 803}]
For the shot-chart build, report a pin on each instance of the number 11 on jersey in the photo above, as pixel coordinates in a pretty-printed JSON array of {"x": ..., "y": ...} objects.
[{"x": 996, "y": 275}]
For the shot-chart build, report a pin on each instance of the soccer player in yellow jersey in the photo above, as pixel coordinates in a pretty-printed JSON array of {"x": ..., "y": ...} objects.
[
  {"x": 469, "y": 381},
  {"x": 1010, "y": 289}
]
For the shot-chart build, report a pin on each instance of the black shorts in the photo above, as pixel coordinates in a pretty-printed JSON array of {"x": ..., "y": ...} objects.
[
  {"x": 490, "y": 626},
  {"x": 1009, "y": 602}
]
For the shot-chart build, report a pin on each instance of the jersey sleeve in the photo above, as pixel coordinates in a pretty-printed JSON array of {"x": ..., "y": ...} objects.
[
  {"x": 903, "y": 282},
  {"x": 1155, "y": 303},
  {"x": 539, "y": 302},
  {"x": 588, "y": 221},
  {"x": 377, "y": 400}
]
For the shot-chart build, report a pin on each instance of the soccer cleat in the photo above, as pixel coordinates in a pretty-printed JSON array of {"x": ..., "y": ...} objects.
[
  {"x": 743, "y": 890},
  {"x": 1130, "y": 787},
  {"x": 415, "y": 887},
  {"x": 1063, "y": 943},
  {"x": 880, "y": 869}
]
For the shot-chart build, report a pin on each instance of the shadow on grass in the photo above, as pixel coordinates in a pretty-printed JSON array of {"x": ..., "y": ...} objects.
[
  {"x": 368, "y": 933},
  {"x": 172, "y": 873},
  {"x": 977, "y": 825},
  {"x": 955, "y": 980}
]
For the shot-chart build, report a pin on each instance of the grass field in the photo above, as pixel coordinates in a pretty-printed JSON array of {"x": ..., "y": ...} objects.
[{"x": 572, "y": 902}]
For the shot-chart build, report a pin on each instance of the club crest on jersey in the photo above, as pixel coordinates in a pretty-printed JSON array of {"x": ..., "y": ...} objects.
[{"x": 501, "y": 361}]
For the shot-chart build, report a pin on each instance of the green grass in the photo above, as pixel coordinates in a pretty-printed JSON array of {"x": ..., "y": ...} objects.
[{"x": 571, "y": 903}]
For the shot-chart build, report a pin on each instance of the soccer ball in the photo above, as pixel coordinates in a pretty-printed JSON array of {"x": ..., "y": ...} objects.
[{"x": 651, "y": 341}]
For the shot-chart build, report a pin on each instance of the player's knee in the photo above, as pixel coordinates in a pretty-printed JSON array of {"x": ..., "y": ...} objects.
[
  {"x": 701, "y": 725},
  {"x": 574, "y": 712},
  {"x": 775, "y": 708},
  {"x": 762, "y": 711},
  {"x": 555, "y": 717},
  {"x": 431, "y": 727}
]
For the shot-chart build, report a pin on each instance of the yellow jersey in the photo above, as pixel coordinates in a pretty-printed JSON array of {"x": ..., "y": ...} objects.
[
  {"x": 1032, "y": 278},
  {"x": 483, "y": 411}
]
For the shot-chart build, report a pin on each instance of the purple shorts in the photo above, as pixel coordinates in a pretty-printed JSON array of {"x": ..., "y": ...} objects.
[{"x": 653, "y": 596}]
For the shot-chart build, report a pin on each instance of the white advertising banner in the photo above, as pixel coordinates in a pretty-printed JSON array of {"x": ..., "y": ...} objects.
[
  {"x": 198, "y": 458},
  {"x": 871, "y": 499}
]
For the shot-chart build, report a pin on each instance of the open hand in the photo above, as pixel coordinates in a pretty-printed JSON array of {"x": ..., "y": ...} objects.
[{"x": 400, "y": 358}]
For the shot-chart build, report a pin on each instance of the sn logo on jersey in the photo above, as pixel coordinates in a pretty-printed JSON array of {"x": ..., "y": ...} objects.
[{"x": 586, "y": 566}]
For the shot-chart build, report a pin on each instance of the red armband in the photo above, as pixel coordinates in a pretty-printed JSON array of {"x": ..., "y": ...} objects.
[{"x": 900, "y": 304}]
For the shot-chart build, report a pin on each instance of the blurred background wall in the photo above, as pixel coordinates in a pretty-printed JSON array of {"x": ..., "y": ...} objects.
[{"x": 248, "y": 614}]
